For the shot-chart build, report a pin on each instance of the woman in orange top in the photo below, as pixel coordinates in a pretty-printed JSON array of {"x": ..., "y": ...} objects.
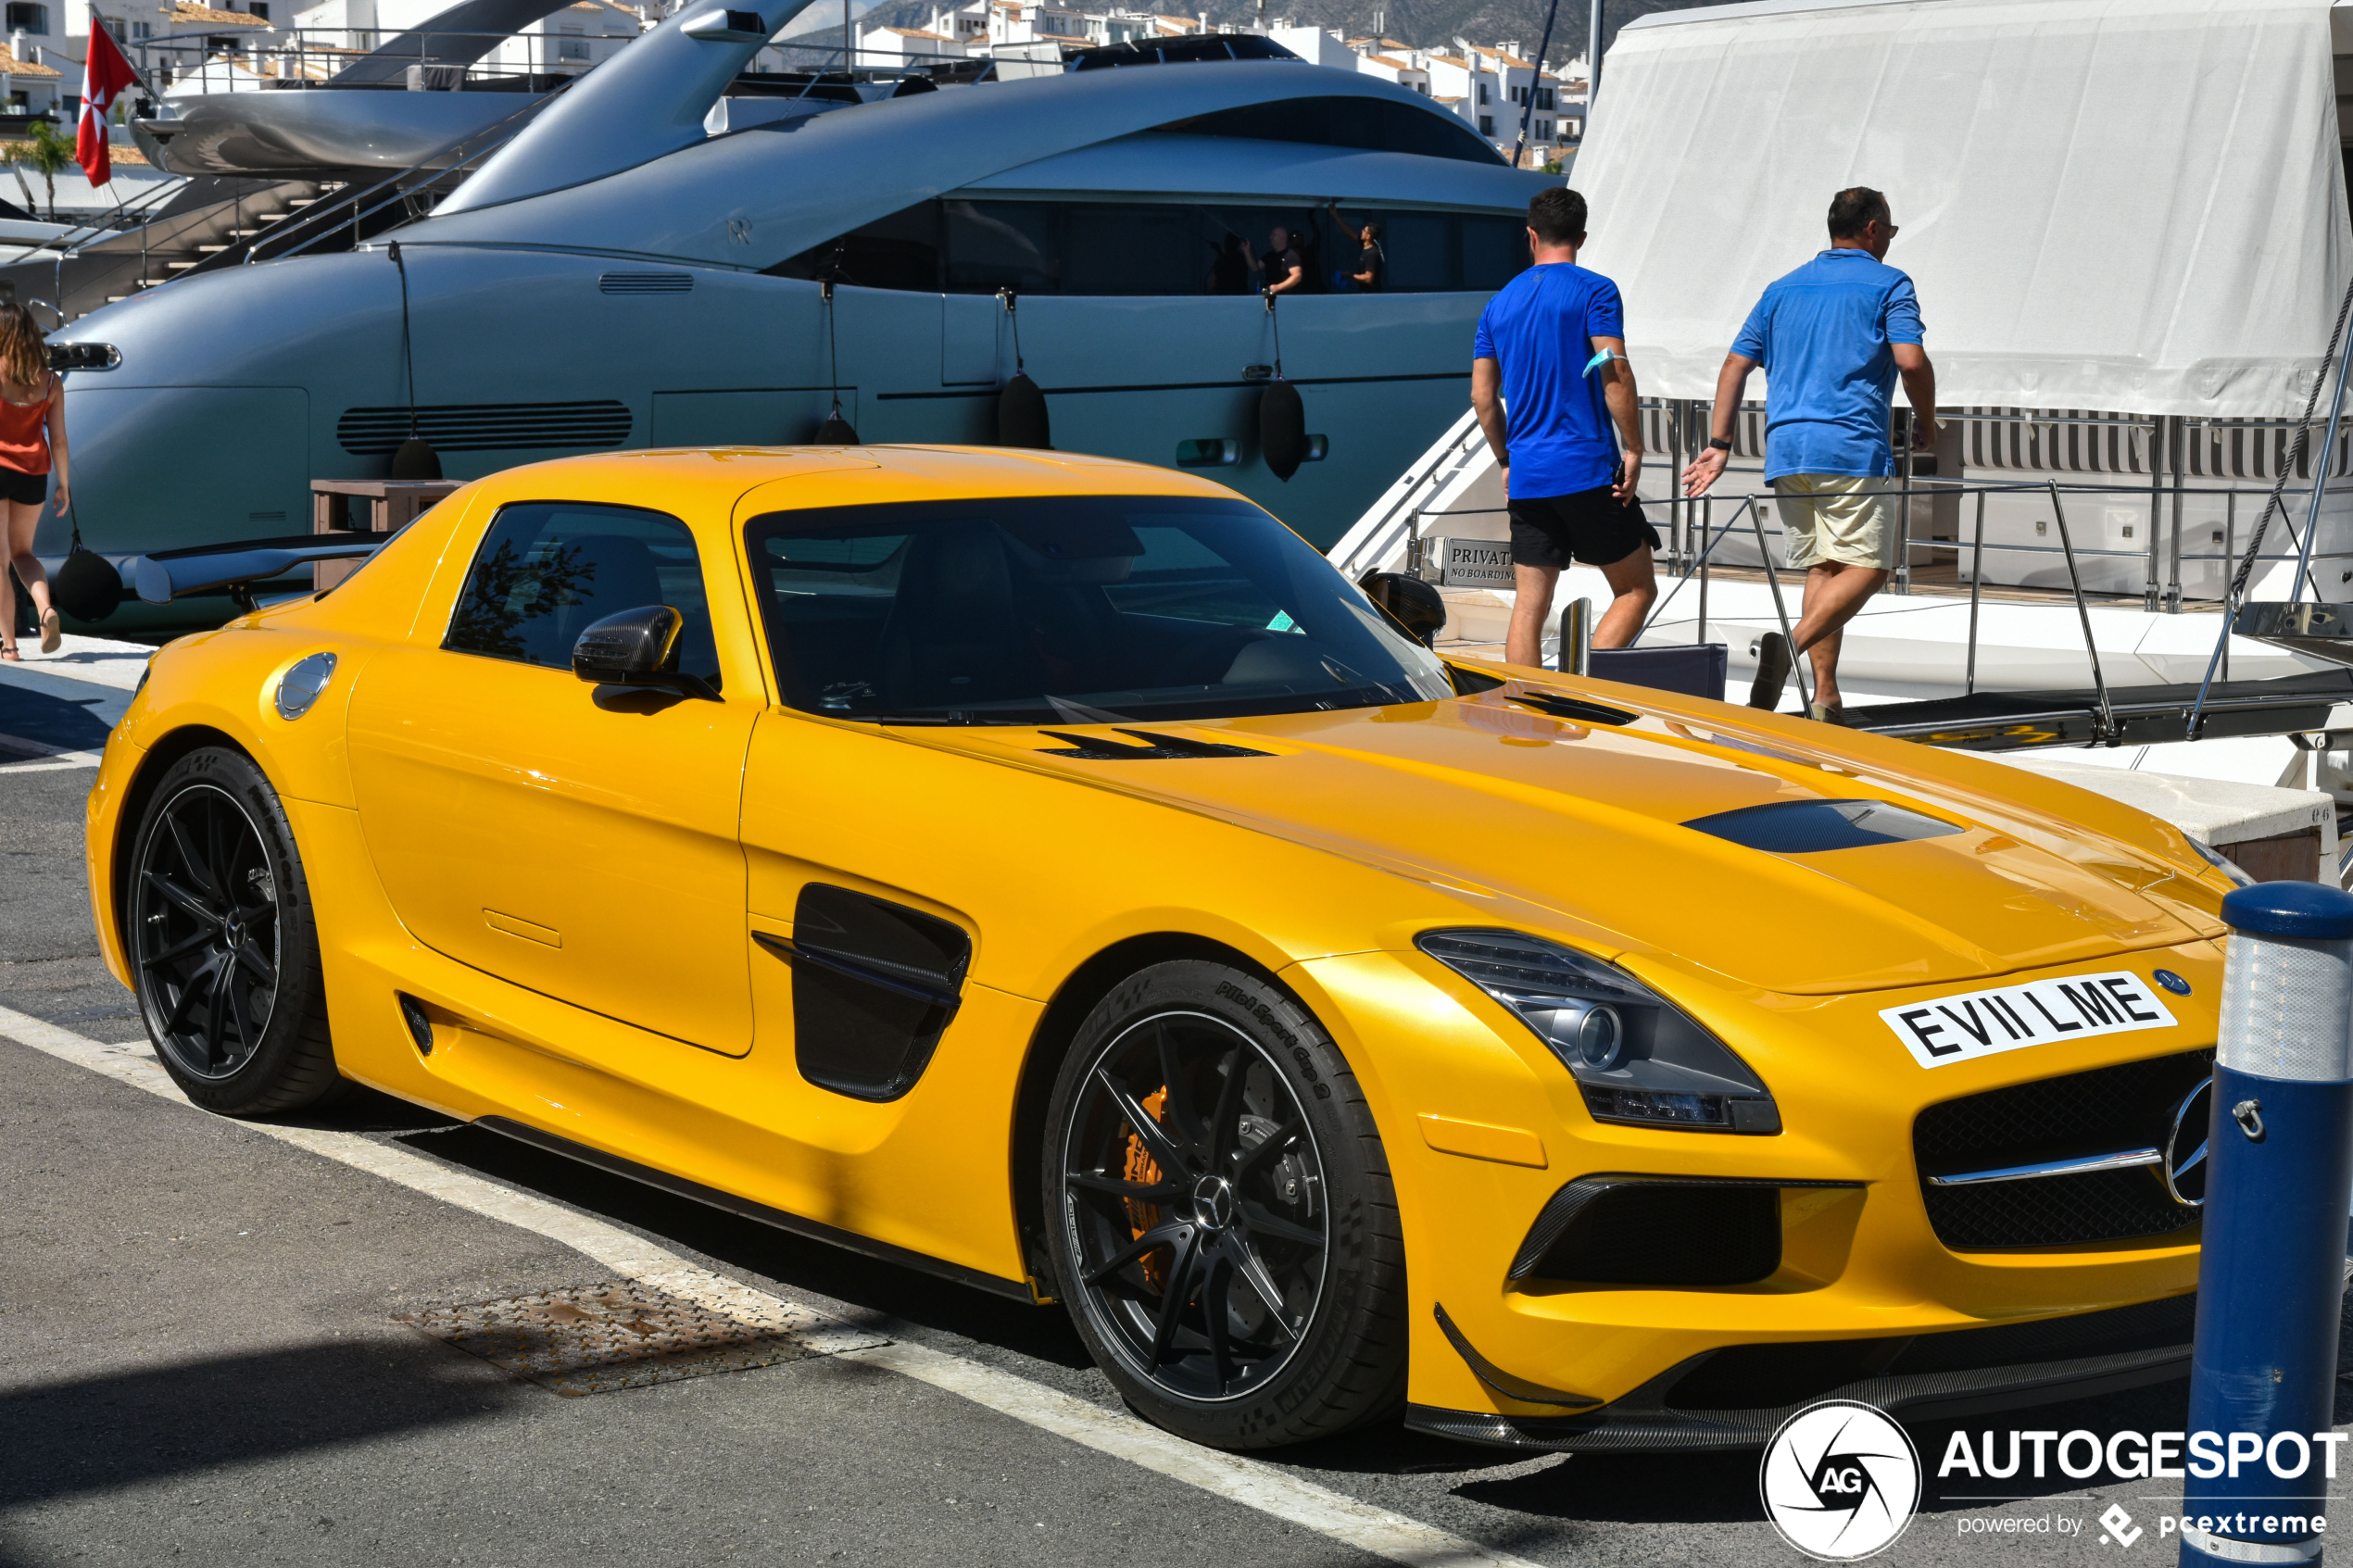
[{"x": 32, "y": 438}]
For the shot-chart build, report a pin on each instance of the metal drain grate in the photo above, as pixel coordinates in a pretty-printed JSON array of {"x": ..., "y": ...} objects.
[{"x": 594, "y": 1339}]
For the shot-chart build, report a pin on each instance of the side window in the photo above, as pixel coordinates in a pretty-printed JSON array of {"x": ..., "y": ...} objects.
[
  {"x": 1151, "y": 249},
  {"x": 1494, "y": 252},
  {"x": 548, "y": 570},
  {"x": 1004, "y": 244}
]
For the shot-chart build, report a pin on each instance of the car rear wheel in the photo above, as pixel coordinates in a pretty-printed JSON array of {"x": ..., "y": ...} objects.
[
  {"x": 1220, "y": 1213},
  {"x": 222, "y": 945}
]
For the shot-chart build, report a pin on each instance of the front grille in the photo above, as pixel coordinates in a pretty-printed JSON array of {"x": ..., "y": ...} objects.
[
  {"x": 488, "y": 427},
  {"x": 2129, "y": 1106}
]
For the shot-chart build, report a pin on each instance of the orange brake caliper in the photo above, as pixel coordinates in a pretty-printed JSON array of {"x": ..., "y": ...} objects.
[{"x": 1144, "y": 1172}]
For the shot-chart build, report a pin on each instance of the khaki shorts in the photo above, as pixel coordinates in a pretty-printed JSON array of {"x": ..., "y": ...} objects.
[{"x": 1836, "y": 517}]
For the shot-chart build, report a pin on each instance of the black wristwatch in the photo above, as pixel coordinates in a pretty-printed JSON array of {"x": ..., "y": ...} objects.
[{"x": 1718, "y": 443}]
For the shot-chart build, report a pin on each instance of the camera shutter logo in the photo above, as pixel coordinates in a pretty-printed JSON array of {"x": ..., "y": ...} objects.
[{"x": 1839, "y": 1481}]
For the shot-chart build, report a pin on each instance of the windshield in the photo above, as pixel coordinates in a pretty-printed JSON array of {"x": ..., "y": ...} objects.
[{"x": 1069, "y": 609}]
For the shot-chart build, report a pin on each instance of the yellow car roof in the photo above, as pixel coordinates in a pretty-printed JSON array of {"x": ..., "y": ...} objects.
[{"x": 853, "y": 475}]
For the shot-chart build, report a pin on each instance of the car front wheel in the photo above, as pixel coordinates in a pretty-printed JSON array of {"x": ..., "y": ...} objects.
[
  {"x": 1220, "y": 1213},
  {"x": 222, "y": 942}
]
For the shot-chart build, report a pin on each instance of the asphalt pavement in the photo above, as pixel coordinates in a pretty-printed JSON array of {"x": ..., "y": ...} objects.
[{"x": 199, "y": 1361}]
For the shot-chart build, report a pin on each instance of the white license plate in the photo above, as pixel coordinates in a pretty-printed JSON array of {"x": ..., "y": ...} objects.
[{"x": 1944, "y": 1030}]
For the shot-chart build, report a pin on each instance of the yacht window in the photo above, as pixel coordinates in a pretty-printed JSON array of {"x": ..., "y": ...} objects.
[
  {"x": 1376, "y": 124},
  {"x": 548, "y": 570},
  {"x": 1069, "y": 609},
  {"x": 1155, "y": 248}
]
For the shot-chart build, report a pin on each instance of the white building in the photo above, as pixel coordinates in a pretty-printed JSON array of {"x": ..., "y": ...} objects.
[
  {"x": 1317, "y": 46},
  {"x": 1518, "y": 81},
  {"x": 568, "y": 42},
  {"x": 904, "y": 45},
  {"x": 1466, "y": 86},
  {"x": 1390, "y": 67},
  {"x": 26, "y": 86}
]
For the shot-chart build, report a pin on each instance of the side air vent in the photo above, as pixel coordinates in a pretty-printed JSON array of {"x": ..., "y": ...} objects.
[
  {"x": 873, "y": 986},
  {"x": 488, "y": 427},
  {"x": 646, "y": 282},
  {"x": 1637, "y": 1230}
]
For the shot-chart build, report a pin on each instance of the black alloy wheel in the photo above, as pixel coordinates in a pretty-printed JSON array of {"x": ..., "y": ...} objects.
[
  {"x": 1215, "y": 1258},
  {"x": 206, "y": 909},
  {"x": 220, "y": 941}
]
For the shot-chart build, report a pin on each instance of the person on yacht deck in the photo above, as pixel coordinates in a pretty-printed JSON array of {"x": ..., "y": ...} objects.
[
  {"x": 1282, "y": 266},
  {"x": 1549, "y": 377},
  {"x": 1832, "y": 337}
]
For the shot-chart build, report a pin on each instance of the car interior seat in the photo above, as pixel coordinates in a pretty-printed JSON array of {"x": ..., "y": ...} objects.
[{"x": 952, "y": 636}]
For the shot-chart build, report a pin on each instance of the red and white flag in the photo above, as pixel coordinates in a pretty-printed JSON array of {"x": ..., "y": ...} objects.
[{"x": 105, "y": 74}]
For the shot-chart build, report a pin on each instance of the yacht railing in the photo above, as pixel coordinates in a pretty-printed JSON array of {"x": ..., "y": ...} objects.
[
  {"x": 308, "y": 56},
  {"x": 353, "y": 208},
  {"x": 2166, "y": 491},
  {"x": 458, "y": 60},
  {"x": 1414, "y": 509}
]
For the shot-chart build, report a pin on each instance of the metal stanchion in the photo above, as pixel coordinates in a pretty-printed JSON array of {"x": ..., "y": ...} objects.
[
  {"x": 2270, "y": 1268},
  {"x": 1577, "y": 637}
]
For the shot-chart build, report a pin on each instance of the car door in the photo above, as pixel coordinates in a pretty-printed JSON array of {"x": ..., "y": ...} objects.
[{"x": 578, "y": 840}]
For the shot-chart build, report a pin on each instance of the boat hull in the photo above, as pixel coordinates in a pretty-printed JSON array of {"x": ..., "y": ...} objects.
[{"x": 234, "y": 390}]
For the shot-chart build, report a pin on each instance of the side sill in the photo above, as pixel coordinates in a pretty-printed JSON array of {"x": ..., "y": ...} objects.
[{"x": 678, "y": 1186}]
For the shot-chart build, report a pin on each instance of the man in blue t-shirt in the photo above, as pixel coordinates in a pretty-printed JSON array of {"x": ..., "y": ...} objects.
[
  {"x": 1548, "y": 378},
  {"x": 1832, "y": 337}
]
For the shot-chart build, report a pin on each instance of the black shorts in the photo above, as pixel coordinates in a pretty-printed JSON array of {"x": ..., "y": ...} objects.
[
  {"x": 24, "y": 489},
  {"x": 1592, "y": 526}
]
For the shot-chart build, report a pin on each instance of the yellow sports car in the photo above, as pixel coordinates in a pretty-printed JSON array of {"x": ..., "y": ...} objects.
[{"x": 1050, "y": 873}]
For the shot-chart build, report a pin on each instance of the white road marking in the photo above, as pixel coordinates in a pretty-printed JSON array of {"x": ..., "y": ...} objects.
[
  {"x": 44, "y": 756},
  {"x": 55, "y": 762},
  {"x": 1378, "y": 1530}
]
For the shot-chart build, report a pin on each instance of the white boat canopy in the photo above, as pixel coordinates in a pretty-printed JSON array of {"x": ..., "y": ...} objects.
[{"x": 2105, "y": 203}]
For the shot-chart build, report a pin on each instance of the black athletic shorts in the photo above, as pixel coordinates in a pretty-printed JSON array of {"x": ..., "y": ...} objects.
[
  {"x": 24, "y": 489},
  {"x": 1592, "y": 526}
]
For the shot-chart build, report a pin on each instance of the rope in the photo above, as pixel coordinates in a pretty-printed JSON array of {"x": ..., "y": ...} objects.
[
  {"x": 2294, "y": 456},
  {"x": 407, "y": 355},
  {"x": 1276, "y": 321},
  {"x": 1007, "y": 297},
  {"x": 833, "y": 347}
]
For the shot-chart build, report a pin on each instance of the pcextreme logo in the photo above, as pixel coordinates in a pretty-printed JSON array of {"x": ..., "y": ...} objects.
[{"x": 1839, "y": 1481}]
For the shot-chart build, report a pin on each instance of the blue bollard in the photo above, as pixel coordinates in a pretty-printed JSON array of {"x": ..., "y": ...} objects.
[{"x": 2270, "y": 1268}]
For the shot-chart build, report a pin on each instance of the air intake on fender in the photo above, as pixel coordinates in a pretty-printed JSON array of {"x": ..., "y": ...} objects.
[{"x": 488, "y": 427}]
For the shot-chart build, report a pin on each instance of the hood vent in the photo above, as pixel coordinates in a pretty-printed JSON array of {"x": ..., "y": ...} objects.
[
  {"x": 488, "y": 427},
  {"x": 1806, "y": 827},
  {"x": 646, "y": 282},
  {"x": 1574, "y": 709},
  {"x": 1156, "y": 747}
]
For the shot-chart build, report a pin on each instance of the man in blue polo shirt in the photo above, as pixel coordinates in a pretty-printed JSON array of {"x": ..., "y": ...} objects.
[
  {"x": 1832, "y": 337},
  {"x": 1548, "y": 379}
]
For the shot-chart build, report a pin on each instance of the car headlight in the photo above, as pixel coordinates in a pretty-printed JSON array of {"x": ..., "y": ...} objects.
[
  {"x": 2223, "y": 862},
  {"x": 1635, "y": 1055}
]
